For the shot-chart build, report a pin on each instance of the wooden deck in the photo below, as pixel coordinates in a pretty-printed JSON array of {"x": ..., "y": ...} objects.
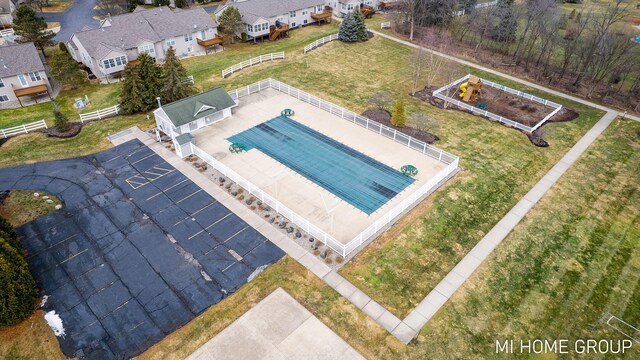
[
  {"x": 218, "y": 40},
  {"x": 325, "y": 15},
  {"x": 367, "y": 11},
  {"x": 275, "y": 32}
]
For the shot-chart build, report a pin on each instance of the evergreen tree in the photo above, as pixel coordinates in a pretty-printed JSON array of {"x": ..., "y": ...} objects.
[
  {"x": 31, "y": 28},
  {"x": 61, "y": 121},
  {"x": 230, "y": 22},
  {"x": 399, "y": 117},
  {"x": 439, "y": 12},
  {"x": 352, "y": 28},
  {"x": 507, "y": 26},
  {"x": 19, "y": 293},
  {"x": 132, "y": 89},
  {"x": 361, "y": 27},
  {"x": 66, "y": 70},
  {"x": 173, "y": 74},
  {"x": 151, "y": 77}
]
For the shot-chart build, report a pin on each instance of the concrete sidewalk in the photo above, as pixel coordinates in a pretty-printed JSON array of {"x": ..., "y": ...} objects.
[{"x": 278, "y": 327}]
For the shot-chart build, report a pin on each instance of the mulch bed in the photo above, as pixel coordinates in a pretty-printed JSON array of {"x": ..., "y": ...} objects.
[
  {"x": 536, "y": 137},
  {"x": 74, "y": 129},
  {"x": 384, "y": 117}
]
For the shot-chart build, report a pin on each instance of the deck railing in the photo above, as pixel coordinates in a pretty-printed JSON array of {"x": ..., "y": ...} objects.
[{"x": 256, "y": 60}]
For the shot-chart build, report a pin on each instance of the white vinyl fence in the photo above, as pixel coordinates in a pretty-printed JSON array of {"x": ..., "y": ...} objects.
[
  {"x": 501, "y": 119},
  {"x": 6, "y": 32},
  {"x": 316, "y": 44},
  {"x": 23, "y": 129},
  {"x": 256, "y": 60},
  {"x": 382, "y": 223},
  {"x": 101, "y": 114}
]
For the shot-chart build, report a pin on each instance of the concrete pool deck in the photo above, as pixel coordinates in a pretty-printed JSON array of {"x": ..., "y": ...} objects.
[
  {"x": 278, "y": 327},
  {"x": 315, "y": 204}
]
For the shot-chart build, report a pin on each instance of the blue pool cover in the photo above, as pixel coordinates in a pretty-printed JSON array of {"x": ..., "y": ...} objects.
[{"x": 354, "y": 177}]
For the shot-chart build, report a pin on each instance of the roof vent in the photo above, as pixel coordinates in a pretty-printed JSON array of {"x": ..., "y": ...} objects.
[{"x": 195, "y": 26}]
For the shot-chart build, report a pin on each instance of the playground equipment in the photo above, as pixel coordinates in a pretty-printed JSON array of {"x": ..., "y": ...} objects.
[
  {"x": 470, "y": 89},
  {"x": 279, "y": 30},
  {"x": 409, "y": 170},
  {"x": 367, "y": 11},
  {"x": 287, "y": 112},
  {"x": 237, "y": 148}
]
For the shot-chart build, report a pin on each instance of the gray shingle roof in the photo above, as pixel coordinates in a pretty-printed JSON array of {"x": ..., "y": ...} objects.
[
  {"x": 195, "y": 107},
  {"x": 129, "y": 30},
  {"x": 19, "y": 59},
  {"x": 252, "y": 10}
]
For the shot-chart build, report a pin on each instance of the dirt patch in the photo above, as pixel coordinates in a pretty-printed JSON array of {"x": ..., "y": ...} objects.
[
  {"x": 384, "y": 117},
  {"x": 74, "y": 130}
]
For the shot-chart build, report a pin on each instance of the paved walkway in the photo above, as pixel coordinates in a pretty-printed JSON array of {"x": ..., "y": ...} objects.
[
  {"x": 278, "y": 327},
  {"x": 506, "y": 76}
]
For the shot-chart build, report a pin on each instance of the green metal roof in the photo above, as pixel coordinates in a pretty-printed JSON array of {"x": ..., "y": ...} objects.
[
  {"x": 184, "y": 138},
  {"x": 197, "y": 106}
]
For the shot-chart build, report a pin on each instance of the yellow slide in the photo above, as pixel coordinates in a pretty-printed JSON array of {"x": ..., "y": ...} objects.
[{"x": 463, "y": 88}]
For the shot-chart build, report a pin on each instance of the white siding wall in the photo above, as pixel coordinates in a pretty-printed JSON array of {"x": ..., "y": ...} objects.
[{"x": 12, "y": 82}]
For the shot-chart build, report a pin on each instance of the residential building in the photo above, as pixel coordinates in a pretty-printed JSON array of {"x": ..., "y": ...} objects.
[
  {"x": 263, "y": 17},
  {"x": 180, "y": 118},
  {"x": 120, "y": 39},
  {"x": 22, "y": 75},
  {"x": 7, "y": 12}
]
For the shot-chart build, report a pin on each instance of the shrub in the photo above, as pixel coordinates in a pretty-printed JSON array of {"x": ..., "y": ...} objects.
[
  {"x": 19, "y": 293},
  {"x": 399, "y": 117},
  {"x": 61, "y": 120}
]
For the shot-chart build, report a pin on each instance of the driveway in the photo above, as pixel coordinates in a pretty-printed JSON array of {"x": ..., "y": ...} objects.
[{"x": 79, "y": 15}]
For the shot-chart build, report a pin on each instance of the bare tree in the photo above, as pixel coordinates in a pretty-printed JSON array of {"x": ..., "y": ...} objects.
[
  {"x": 113, "y": 7},
  {"x": 424, "y": 123}
]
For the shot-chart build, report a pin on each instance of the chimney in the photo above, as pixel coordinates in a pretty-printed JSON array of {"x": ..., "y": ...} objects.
[{"x": 159, "y": 103}]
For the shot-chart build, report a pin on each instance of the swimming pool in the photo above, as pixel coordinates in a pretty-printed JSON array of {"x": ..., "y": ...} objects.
[{"x": 354, "y": 177}]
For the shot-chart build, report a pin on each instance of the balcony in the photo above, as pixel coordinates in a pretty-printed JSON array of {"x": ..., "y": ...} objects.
[
  {"x": 31, "y": 91},
  {"x": 218, "y": 40}
]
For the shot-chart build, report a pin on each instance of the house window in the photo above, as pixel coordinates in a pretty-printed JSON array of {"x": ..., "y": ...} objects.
[
  {"x": 292, "y": 14},
  {"x": 265, "y": 26},
  {"x": 319, "y": 8},
  {"x": 193, "y": 126},
  {"x": 147, "y": 49},
  {"x": 35, "y": 76},
  {"x": 111, "y": 63},
  {"x": 188, "y": 37},
  {"x": 304, "y": 12},
  {"x": 4, "y": 98},
  {"x": 305, "y": 21},
  {"x": 121, "y": 60},
  {"x": 350, "y": 7},
  {"x": 189, "y": 48},
  {"x": 170, "y": 42},
  {"x": 293, "y": 24},
  {"x": 202, "y": 35},
  {"x": 1, "y": 83},
  {"x": 23, "y": 80}
]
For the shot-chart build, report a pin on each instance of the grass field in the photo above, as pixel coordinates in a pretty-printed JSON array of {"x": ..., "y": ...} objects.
[{"x": 21, "y": 206}]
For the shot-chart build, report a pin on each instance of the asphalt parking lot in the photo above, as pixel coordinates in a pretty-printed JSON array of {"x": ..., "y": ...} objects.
[{"x": 137, "y": 251}]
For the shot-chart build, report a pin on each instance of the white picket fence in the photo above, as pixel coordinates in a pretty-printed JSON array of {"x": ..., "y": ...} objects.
[
  {"x": 381, "y": 224},
  {"x": 23, "y": 129},
  {"x": 256, "y": 60},
  {"x": 501, "y": 119},
  {"x": 101, "y": 114},
  {"x": 320, "y": 42}
]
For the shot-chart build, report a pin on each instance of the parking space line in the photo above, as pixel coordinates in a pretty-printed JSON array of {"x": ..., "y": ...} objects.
[
  {"x": 204, "y": 229},
  {"x": 192, "y": 215},
  {"x": 61, "y": 241},
  {"x": 71, "y": 257},
  {"x": 174, "y": 185},
  {"x": 119, "y": 156},
  {"x": 232, "y": 236},
  {"x": 146, "y": 157},
  {"x": 188, "y": 196}
]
